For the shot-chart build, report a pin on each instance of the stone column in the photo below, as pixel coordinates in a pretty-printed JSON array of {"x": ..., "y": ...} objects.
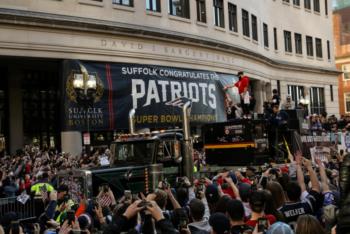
[{"x": 15, "y": 109}]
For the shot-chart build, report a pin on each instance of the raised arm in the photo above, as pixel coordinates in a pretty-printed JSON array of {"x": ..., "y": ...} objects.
[
  {"x": 324, "y": 181},
  {"x": 300, "y": 175},
  {"x": 313, "y": 178}
]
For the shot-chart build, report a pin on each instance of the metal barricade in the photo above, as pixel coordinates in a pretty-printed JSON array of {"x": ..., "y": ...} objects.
[{"x": 23, "y": 211}]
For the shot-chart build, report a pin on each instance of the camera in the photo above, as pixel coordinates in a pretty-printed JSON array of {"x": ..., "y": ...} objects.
[{"x": 128, "y": 195}]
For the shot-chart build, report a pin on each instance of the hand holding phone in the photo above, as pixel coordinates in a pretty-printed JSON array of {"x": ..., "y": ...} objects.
[{"x": 262, "y": 225}]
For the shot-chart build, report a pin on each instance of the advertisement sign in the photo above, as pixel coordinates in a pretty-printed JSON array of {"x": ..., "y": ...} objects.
[{"x": 155, "y": 92}]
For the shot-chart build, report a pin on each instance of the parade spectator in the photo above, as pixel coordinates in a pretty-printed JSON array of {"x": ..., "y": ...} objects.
[
  {"x": 308, "y": 224},
  {"x": 219, "y": 223},
  {"x": 236, "y": 214},
  {"x": 288, "y": 104},
  {"x": 276, "y": 99},
  {"x": 257, "y": 203},
  {"x": 199, "y": 213},
  {"x": 299, "y": 200}
]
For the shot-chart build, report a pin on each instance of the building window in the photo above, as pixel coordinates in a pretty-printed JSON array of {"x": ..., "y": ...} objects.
[
  {"x": 153, "y": 5},
  {"x": 129, "y": 3},
  {"x": 347, "y": 102},
  {"x": 326, "y": 7},
  {"x": 266, "y": 35},
  {"x": 296, "y": 2},
  {"x": 307, "y": 4},
  {"x": 288, "y": 41},
  {"x": 317, "y": 5},
  {"x": 286, "y": 1},
  {"x": 219, "y": 13},
  {"x": 245, "y": 23},
  {"x": 317, "y": 103},
  {"x": 254, "y": 28},
  {"x": 298, "y": 43},
  {"x": 275, "y": 38},
  {"x": 328, "y": 51},
  {"x": 318, "y": 47},
  {"x": 201, "y": 11},
  {"x": 232, "y": 17},
  {"x": 331, "y": 91},
  {"x": 296, "y": 92},
  {"x": 346, "y": 71},
  {"x": 309, "y": 46},
  {"x": 180, "y": 8}
]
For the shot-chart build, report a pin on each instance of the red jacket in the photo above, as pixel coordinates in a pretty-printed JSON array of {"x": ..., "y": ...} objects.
[{"x": 242, "y": 84}]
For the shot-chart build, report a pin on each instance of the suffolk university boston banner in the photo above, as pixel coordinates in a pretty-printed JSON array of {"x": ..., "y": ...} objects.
[{"x": 149, "y": 89}]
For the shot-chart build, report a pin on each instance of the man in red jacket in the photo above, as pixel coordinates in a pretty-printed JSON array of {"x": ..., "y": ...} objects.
[{"x": 242, "y": 85}]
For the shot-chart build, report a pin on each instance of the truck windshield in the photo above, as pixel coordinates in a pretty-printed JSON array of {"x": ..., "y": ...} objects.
[{"x": 135, "y": 151}]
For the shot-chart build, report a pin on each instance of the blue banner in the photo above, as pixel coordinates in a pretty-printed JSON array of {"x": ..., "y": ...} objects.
[{"x": 155, "y": 92}]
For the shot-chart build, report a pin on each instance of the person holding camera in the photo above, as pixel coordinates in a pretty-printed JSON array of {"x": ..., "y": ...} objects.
[{"x": 106, "y": 197}]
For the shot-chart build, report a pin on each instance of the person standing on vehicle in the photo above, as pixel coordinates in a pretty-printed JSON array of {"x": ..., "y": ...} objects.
[{"x": 242, "y": 85}]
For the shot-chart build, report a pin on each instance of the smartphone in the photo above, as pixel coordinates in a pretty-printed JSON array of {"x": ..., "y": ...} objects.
[
  {"x": 262, "y": 224},
  {"x": 183, "y": 223},
  {"x": 127, "y": 195},
  {"x": 71, "y": 217}
]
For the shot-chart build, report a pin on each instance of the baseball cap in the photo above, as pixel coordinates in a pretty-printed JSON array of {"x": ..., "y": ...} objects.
[
  {"x": 212, "y": 193},
  {"x": 220, "y": 223}
]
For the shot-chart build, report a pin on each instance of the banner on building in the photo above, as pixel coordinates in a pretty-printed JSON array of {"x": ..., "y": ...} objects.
[{"x": 149, "y": 89}]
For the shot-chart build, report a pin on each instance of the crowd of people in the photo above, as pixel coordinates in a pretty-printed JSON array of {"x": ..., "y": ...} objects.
[{"x": 297, "y": 197}]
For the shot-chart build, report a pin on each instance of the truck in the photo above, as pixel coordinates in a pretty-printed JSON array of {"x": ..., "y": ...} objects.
[{"x": 140, "y": 160}]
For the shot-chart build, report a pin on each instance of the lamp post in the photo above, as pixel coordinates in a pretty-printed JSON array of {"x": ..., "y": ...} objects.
[{"x": 85, "y": 87}]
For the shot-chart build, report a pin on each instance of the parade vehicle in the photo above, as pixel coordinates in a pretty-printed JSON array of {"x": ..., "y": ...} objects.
[
  {"x": 139, "y": 162},
  {"x": 239, "y": 142}
]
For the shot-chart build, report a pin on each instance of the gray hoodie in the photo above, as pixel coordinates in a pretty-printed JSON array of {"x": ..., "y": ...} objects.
[{"x": 201, "y": 227}]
